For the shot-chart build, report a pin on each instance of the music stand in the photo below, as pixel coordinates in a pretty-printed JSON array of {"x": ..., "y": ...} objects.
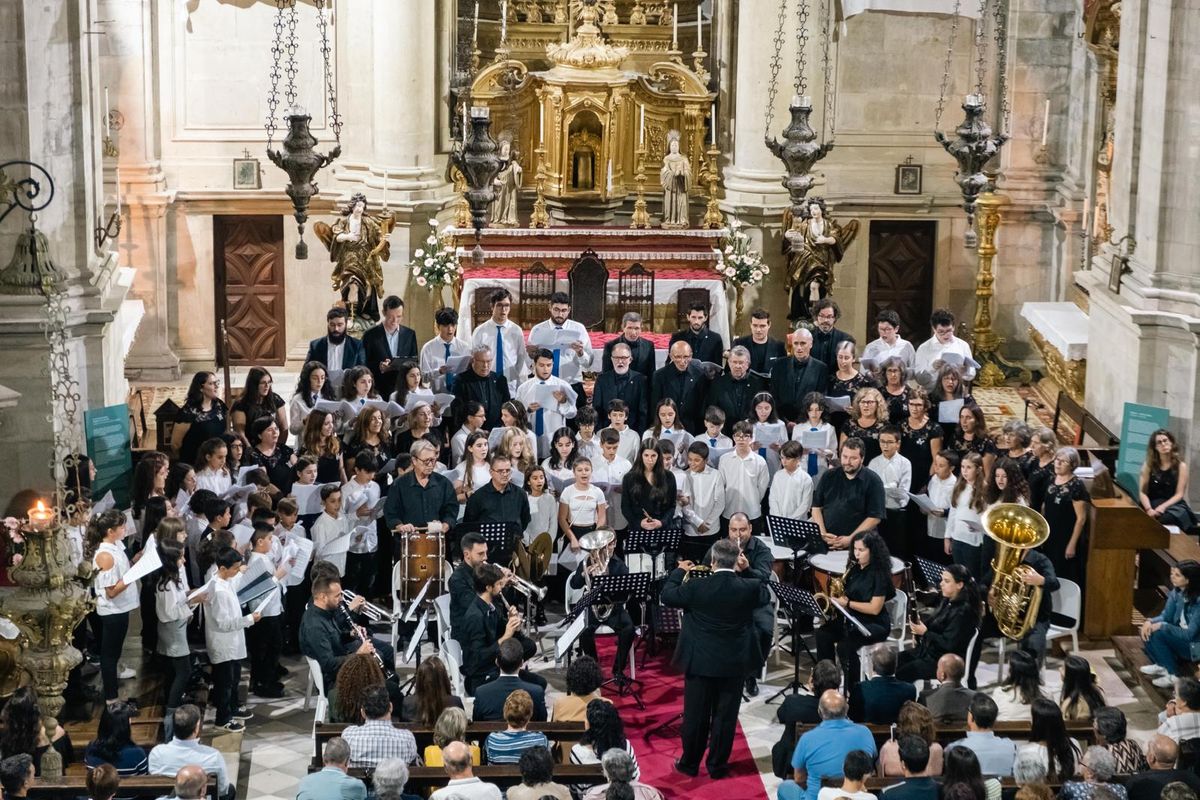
[
  {"x": 653, "y": 543},
  {"x": 622, "y": 589},
  {"x": 930, "y": 571},
  {"x": 797, "y": 601},
  {"x": 500, "y": 538}
]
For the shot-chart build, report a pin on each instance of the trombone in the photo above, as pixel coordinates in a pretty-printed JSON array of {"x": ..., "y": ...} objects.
[{"x": 369, "y": 610}]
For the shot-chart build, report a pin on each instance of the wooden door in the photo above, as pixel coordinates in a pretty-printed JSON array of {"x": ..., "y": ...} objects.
[
  {"x": 248, "y": 254},
  {"x": 901, "y": 275}
]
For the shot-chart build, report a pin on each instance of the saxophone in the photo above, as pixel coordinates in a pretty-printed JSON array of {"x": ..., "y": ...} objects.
[
  {"x": 1015, "y": 529},
  {"x": 836, "y": 588}
]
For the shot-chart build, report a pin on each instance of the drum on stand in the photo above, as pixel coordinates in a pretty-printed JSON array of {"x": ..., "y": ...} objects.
[
  {"x": 833, "y": 564},
  {"x": 423, "y": 557}
]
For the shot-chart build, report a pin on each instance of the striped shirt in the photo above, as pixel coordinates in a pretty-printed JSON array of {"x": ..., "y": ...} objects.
[
  {"x": 377, "y": 739},
  {"x": 506, "y": 747}
]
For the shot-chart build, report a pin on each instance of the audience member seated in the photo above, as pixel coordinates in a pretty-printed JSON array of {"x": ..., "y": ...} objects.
[
  {"x": 1163, "y": 483},
  {"x": 103, "y": 783},
  {"x": 1180, "y": 720},
  {"x": 1109, "y": 726},
  {"x": 856, "y": 768},
  {"x": 962, "y": 767},
  {"x": 949, "y": 701},
  {"x": 16, "y": 775},
  {"x": 332, "y": 782},
  {"x": 1161, "y": 755},
  {"x": 185, "y": 748},
  {"x": 1171, "y": 635},
  {"x": 583, "y": 686},
  {"x": 802, "y": 708},
  {"x": 21, "y": 731},
  {"x": 1034, "y": 791},
  {"x": 537, "y": 777},
  {"x": 388, "y": 780},
  {"x": 1097, "y": 768},
  {"x": 1029, "y": 769},
  {"x": 995, "y": 754},
  {"x": 506, "y": 747},
  {"x": 914, "y": 762},
  {"x": 878, "y": 700},
  {"x": 376, "y": 738},
  {"x": 191, "y": 783},
  {"x": 357, "y": 675},
  {"x": 491, "y": 696},
  {"x": 463, "y": 784},
  {"x": 451, "y": 726},
  {"x": 821, "y": 752},
  {"x": 1049, "y": 743},
  {"x": 114, "y": 742},
  {"x": 914, "y": 720},
  {"x": 1175, "y": 791},
  {"x": 619, "y": 768},
  {"x": 1081, "y": 695},
  {"x": 605, "y": 730},
  {"x": 431, "y": 694},
  {"x": 1021, "y": 687}
]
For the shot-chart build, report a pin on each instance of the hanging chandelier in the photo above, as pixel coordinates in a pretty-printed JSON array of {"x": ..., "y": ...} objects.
[
  {"x": 298, "y": 158},
  {"x": 479, "y": 162}
]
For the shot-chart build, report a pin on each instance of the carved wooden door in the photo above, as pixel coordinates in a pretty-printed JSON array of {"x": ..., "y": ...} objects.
[
  {"x": 248, "y": 274},
  {"x": 901, "y": 276}
]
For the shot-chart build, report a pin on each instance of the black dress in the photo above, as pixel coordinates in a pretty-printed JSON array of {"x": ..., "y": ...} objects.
[
  {"x": 270, "y": 406},
  {"x": 279, "y": 471},
  {"x": 847, "y": 388},
  {"x": 844, "y": 639},
  {"x": 1038, "y": 477},
  {"x": 983, "y": 445},
  {"x": 205, "y": 425},
  {"x": 897, "y": 405},
  {"x": 1161, "y": 487},
  {"x": 1059, "y": 510},
  {"x": 869, "y": 436},
  {"x": 915, "y": 446}
]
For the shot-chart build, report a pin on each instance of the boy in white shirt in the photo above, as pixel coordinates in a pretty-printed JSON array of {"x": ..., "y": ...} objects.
[
  {"x": 631, "y": 440},
  {"x": 896, "y": 473},
  {"x": 330, "y": 535},
  {"x": 714, "y": 423},
  {"x": 225, "y": 639},
  {"x": 298, "y": 590},
  {"x": 439, "y": 349},
  {"x": 360, "y": 495},
  {"x": 265, "y": 640},
  {"x": 791, "y": 487},
  {"x": 610, "y": 468},
  {"x": 941, "y": 491},
  {"x": 702, "y": 515},
  {"x": 545, "y": 419},
  {"x": 746, "y": 478},
  {"x": 587, "y": 443}
]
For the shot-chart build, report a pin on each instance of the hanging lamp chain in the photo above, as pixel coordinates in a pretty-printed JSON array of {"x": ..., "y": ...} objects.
[
  {"x": 335, "y": 119},
  {"x": 801, "y": 82},
  {"x": 1002, "y": 11},
  {"x": 275, "y": 74},
  {"x": 293, "y": 44},
  {"x": 826, "y": 44},
  {"x": 776, "y": 66},
  {"x": 981, "y": 48},
  {"x": 941, "y": 104}
]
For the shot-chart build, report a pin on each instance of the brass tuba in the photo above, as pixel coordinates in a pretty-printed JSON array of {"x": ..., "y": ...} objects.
[
  {"x": 599, "y": 545},
  {"x": 1015, "y": 528}
]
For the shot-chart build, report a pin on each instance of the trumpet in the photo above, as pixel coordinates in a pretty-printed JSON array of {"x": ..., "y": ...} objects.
[
  {"x": 367, "y": 609},
  {"x": 531, "y": 591}
]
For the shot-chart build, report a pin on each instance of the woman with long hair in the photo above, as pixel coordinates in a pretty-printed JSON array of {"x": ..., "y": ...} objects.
[
  {"x": 22, "y": 731},
  {"x": 563, "y": 452},
  {"x": 893, "y": 385},
  {"x": 1006, "y": 483},
  {"x": 359, "y": 672},
  {"x": 868, "y": 415},
  {"x": 173, "y": 609},
  {"x": 321, "y": 444},
  {"x": 1043, "y": 445},
  {"x": 518, "y": 446},
  {"x": 1065, "y": 506},
  {"x": 768, "y": 427},
  {"x": 408, "y": 380},
  {"x": 1163, "y": 483},
  {"x": 474, "y": 471},
  {"x": 962, "y": 777},
  {"x": 948, "y": 629},
  {"x": 114, "y": 598},
  {"x": 648, "y": 491},
  {"x": 920, "y": 438},
  {"x": 964, "y": 536},
  {"x": 536, "y": 545},
  {"x": 149, "y": 480},
  {"x": 431, "y": 694},
  {"x": 970, "y": 435},
  {"x": 358, "y": 386},
  {"x": 513, "y": 415},
  {"x": 268, "y": 451},
  {"x": 312, "y": 386},
  {"x": 604, "y": 732},
  {"x": 1021, "y": 687},
  {"x": 1171, "y": 635},
  {"x": 949, "y": 386},
  {"x": 1048, "y": 741},
  {"x": 868, "y": 587},
  {"x": 916, "y": 720},
  {"x": 203, "y": 416},
  {"x": 181, "y": 479},
  {"x": 368, "y": 433},
  {"x": 258, "y": 400},
  {"x": 1081, "y": 694},
  {"x": 114, "y": 744}
]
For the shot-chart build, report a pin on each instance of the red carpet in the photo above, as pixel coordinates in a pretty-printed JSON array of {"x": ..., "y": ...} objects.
[{"x": 662, "y": 692}]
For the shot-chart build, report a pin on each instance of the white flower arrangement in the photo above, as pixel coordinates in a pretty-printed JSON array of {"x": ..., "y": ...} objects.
[
  {"x": 740, "y": 264},
  {"x": 435, "y": 265}
]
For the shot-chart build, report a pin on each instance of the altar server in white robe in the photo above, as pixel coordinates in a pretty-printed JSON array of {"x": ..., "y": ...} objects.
[
  {"x": 546, "y": 414},
  {"x": 505, "y": 339}
]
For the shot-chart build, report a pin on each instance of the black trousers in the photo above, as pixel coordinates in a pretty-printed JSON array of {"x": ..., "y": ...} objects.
[
  {"x": 620, "y": 622},
  {"x": 360, "y": 573},
  {"x": 224, "y": 696},
  {"x": 916, "y": 665},
  {"x": 710, "y": 711},
  {"x": 295, "y": 601},
  {"x": 843, "y": 640},
  {"x": 181, "y": 667},
  {"x": 264, "y": 642},
  {"x": 113, "y": 629}
]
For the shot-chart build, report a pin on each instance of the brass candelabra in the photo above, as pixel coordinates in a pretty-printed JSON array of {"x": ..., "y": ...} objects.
[
  {"x": 713, "y": 218},
  {"x": 994, "y": 368},
  {"x": 540, "y": 218},
  {"x": 641, "y": 217}
]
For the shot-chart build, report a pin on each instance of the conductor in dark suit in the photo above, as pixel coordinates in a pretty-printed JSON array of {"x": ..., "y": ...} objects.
[
  {"x": 621, "y": 382},
  {"x": 706, "y": 344},
  {"x": 684, "y": 383},
  {"x": 388, "y": 343},
  {"x": 337, "y": 350},
  {"x": 641, "y": 349},
  {"x": 763, "y": 348},
  {"x": 793, "y": 378},
  {"x": 717, "y": 647}
]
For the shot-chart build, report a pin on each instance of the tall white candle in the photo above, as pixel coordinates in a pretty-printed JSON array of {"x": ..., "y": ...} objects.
[
  {"x": 699, "y": 28},
  {"x": 385, "y": 183},
  {"x": 106, "y": 126},
  {"x": 466, "y": 121},
  {"x": 475, "y": 27},
  {"x": 118, "y": 178},
  {"x": 1045, "y": 123},
  {"x": 713, "y": 132},
  {"x": 541, "y": 124},
  {"x": 675, "y": 27},
  {"x": 503, "y": 20},
  {"x": 642, "y": 124}
]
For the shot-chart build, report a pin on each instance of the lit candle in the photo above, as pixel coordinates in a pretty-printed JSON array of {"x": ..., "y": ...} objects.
[
  {"x": 541, "y": 124},
  {"x": 1045, "y": 123},
  {"x": 713, "y": 116},
  {"x": 642, "y": 124},
  {"x": 40, "y": 517},
  {"x": 675, "y": 27},
  {"x": 106, "y": 127},
  {"x": 503, "y": 20}
]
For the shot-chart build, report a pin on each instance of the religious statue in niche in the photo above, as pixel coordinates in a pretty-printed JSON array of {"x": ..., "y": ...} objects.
[
  {"x": 813, "y": 247},
  {"x": 503, "y": 210},
  {"x": 358, "y": 244},
  {"x": 676, "y": 180}
]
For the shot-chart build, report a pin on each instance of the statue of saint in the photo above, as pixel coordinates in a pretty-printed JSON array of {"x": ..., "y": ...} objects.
[
  {"x": 358, "y": 244},
  {"x": 814, "y": 246},
  {"x": 676, "y": 179},
  {"x": 503, "y": 210}
]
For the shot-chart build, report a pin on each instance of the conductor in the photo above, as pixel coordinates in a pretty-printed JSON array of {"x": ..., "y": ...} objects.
[{"x": 717, "y": 648}]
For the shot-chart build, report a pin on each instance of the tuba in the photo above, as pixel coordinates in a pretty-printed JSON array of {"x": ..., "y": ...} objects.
[
  {"x": 599, "y": 545},
  {"x": 1015, "y": 528}
]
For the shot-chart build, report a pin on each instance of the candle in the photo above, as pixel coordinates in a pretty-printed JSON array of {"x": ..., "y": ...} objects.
[
  {"x": 106, "y": 126},
  {"x": 385, "y": 183},
  {"x": 118, "y": 190},
  {"x": 642, "y": 124},
  {"x": 541, "y": 124},
  {"x": 610, "y": 179},
  {"x": 475, "y": 27},
  {"x": 699, "y": 28},
  {"x": 1045, "y": 123},
  {"x": 40, "y": 517},
  {"x": 713, "y": 125},
  {"x": 503, "y": 20},
  {"x": 465, "y": 121},
  {"x": 675, "y": 27}
]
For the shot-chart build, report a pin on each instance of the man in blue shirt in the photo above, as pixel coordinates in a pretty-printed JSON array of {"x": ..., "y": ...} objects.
[
  {"x": 995, "y": 753},
  {"x": 332, "y": 782},
  {"x": 821, "y": 752}
]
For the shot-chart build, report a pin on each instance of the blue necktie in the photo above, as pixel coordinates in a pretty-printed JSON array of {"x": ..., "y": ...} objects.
[
  {"x": 557, "y": 357},
  {"x": 449, "y": 374},
  {"x": 812, "y": 460},
  {"x": 538, "y": 425},
  {"x": 499, "y": 352},
  {"x": 712, "y": 441}
]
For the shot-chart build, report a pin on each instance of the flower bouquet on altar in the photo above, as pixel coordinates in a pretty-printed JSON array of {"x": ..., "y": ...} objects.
[
  {"x": 435, "y": 266},
  {"x": 740, "y": 265}
]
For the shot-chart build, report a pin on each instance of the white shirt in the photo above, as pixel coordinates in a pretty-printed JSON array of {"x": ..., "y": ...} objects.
[
  {"x": 707, "y": 493},
  {"x": 746, "y": 482},
  {"x": 354, "y": 494},
  {"x": 791, "y": 494},
  {"x": 570, "y": 364},
  {"x": 333, "y": 361},
  {"x": 543, "y": 517},
  {"x": 631, "y": 443},
  {"x": 553, "y": 416},
  {"x": 582, "y": 505},
  {"x": 960, "y": 513},
  {"x": 830, "y": 443},
  {"x": 224, "y": 624},
  {"x": 931, "y": 351},
  {"x": 516, "y": 360},
  {"x": 589, "y": 448},
  {"x": 216, "y": 482},
  {"x": 274, "y": 606},
  {"x": 458, "y": 445},
  {"x": 127, "y": 600},
  {"x": 879, "y": 351},
  {"x": 611, "y": 472},
  {"x": 896, "y": 474},
  {"x": 681, "y": 439},
  {"x": 169, "y": 758},
  {"x": 324, "y": 531},
  {"x": 939, "y": 492},
  {"x": 433, "y": 358}
]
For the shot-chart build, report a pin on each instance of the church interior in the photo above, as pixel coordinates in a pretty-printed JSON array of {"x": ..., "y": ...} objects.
[{"x": 188, "y": 188}]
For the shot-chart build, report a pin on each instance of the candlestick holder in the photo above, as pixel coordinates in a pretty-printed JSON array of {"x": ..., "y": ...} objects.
[
  {"x": 713, "y": 218},
  {"x": 698, "y": 64},
  {"x": 641, "y": 216},
  {"x": 540, "y": 218}
]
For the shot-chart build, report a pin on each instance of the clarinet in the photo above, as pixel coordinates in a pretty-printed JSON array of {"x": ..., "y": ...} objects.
[{"x": 388, "y": 674}]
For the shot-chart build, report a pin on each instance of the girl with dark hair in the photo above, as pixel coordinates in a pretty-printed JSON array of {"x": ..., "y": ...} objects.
[
  {"x": 604, "y": 732},
  {"x": 358, "y": 386},
  {"x": 767, "y": 426},
  {"x": 157, "y": 511},
  {"x": 1171, "y": 636},
  {"x": 1081, "y": 695},
  {"x": 533, "y": 549},
  {"x": 1048, "y": 741},
  {"x": 114, "y": 743},
  {"x": 563, "y": 452},
  {"x": 648, "y": 491},
  {"x": 431, "y": 694},
  {"x": 408, "y": 380},
  {"x": 948, "y": 629},
  {"x": 962, "y": 777},
  {"x": 818, "y": 432},
  {"x": 1163, "y": 484},
  {"x": 235, "y": 456},
  {"x": 312, "y": 386},
  {"x": 269, "y": 452},
  {"x": 258, "y": 401},
  {"x": 1064, "y": 505},
  {"x": 149, "y": 480},
  {"x": 1006, "y": 483},
  {"x": 174, "y": 610},
  {"x": 868, "y": 587},
  {"x": 1023, "y": 685},
  {"x": 321, "y": 444},
  {"x": 114, "y": 598},
  {"x": 22, "y": 731},
  {"x": 203, "y": 416},
  {"x": 181, "y": 478},
  {"x": 212, "y": 472},
  {"x": 667, "y": 425},
  {"x": 964, "y": 534},
  {"x": 474, "y": 471},
  {"x": 368, "y": 434}
]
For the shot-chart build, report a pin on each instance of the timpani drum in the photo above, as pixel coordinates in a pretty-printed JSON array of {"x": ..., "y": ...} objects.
[
  {"x": 833, "y": 564},
  {"x": 422, "y": 555}
]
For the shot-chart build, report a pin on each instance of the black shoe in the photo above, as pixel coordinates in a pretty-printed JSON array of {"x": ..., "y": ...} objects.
[
  {"x": 718, "y": 774},
  {"x": 281, "y": 671},
  {"x": 242, "y": 714},
  {"x": 751, "y": 687},
  {"x": 691, "y": 772},
  {"x": 271, "y": 690}
]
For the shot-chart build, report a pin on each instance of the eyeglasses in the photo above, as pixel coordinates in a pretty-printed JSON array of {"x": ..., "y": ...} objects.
[
  {"x": 426, "y": 461},
  {"x": 502, "y": 471},
  {"x": 621, "y": 358}
]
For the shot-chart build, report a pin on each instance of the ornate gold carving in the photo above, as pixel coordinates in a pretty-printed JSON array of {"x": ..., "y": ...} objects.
[
  {"x": 1071, "y": 376},
  {"x": 587, "y": 49},
  {"x": 986, "y": 344}
]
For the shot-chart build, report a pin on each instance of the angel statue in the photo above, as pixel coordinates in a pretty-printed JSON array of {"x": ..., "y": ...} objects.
[
  {"x": 357, "y": 244},
  {"x": 814, "y": 246},
  {"x": 676, "y": 179},
  {"x": 503, "y": 210}
]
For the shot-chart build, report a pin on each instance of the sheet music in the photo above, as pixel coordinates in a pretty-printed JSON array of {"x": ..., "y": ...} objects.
[
  {"x": 266, "y": 599},
  {"x": 206, "y": 588},
  {"x": 841, "y": 403},
  {"x": 242, "y": 533},
  {"x": 769, "y": 433},
  {"x": 923, "y": 502},
  {"x": 148, "y": 563},
  {"x": 846, "y": 613},
  {"x": 308, "y": 497},
  {"x": 243, "y": 472},
  {"x": 458, "y": 363},
  {"x": 564, "y": 642},
  {"x": 105, "y": 503},
  {"x": 418, "y": 636},
  {"x": 543, "y": 394},
  {"x": 948, "y": 411},
  {"x": 416, "y": 603},
  {"x": 813, "y": 440},
  {"x": 301, "y": 549},
  {"x": 237, "y": 494},
  {"x": 336, "y": 546}
]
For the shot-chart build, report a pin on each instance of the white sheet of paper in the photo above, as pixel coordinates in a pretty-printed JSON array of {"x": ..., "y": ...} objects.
[
  {"x": 459, "y": 363},
  {"x": 948, "y": 411},
  {"x": 715, "y": 453},
  {"x": 416, "y": 603},
  {"x": 105, "y": 503},
  {"x": 239, "y": 493},
  {"x": 243, "y": 472},
  {"x": 767, "y": 434},
  {"x": 862, "y": 628},
  {"x": 569, "y": 636},
  {"x": 973, "y": 525},
  {"x": 308, "y": 497},
  {"x": 339, "y": 407},
  {"x": 543, "y": 395},
  {"x": 813, "y": 440},
  {"x": 952, "y": 359},
  {"x": 302, "y": 550},
  {"x": 205, "y": 588},
  {"x": 242, "y": 533},
  {"x": 418, "y": 636},
  {"x": 181, "y": 501},
  {"x": 494, "y": 436},
  {"x": 337, "y": 546},
  {"x": 840, "y": 403},
  {"x": 149, "y": 562},
  {"x": 258, "y": 609},
  {"x": 923, "y": 502}
]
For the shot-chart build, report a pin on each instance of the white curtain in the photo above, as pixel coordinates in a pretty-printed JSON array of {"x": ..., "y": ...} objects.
[{"x": 967, "y": 8}]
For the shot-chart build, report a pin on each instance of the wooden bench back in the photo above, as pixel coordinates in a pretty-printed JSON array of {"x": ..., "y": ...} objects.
[
  {"x": 72, "y": 787},
  {"x": 422, "y": 779},
  {"x": 946, "y": 734},
  {"x": 566, "y": 732}
]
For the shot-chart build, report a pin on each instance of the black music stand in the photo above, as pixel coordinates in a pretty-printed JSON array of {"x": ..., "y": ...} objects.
[
  {"x": 798, "y": 535},
  {"x": 798, "y": 602},
  {"x": 500, "y": 538},
  {"x": 652, "y": 543},
  {"x": 931, "y": 571},
  {"x": 622, "y": 589}
]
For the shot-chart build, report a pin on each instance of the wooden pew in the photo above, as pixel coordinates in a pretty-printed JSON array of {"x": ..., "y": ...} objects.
[
  {"x": 1118, "y": 530},
  {"x": 423, "y": 779},
  {"x": 566, "y": 732},
  {"x": 876, "y": 784},
  {"x": 72, "y": 787},
  {"x": 1080, "y": 730}
]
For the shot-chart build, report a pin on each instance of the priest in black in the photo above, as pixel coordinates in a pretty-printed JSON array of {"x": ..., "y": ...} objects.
[
  {"x": 685, "y": 383},
  {"x": 826, "y": 336},
  {"x": 733, "y": 392},
  {"x": 706, "y": 344},
  {"x": 762, "y": 347},
  {"x": 793, "y": 378},
  {"x": 717, "y": 647},
  {"x": 620, "y": 382},
  {"x": 481, "y": 384},
  {"x": 641, "y": 349},
  {"x": 387, "y": 344}
]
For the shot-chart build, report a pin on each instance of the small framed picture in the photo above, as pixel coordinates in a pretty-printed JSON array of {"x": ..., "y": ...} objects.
[
  {"x": 1114, "y": 274},
  {"x": 908, "y": 179},
  {"x": 246, "y": 174}
]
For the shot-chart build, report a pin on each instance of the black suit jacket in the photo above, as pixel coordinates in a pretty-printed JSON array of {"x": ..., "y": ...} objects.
[
  {"x": 1149, "y": 785},
  {"x": 878, "y": 700},
  {"x": 479, "y": 634},
  {"x": 734, "y": 397},
  {"x": 643, "y": 356},
  {"x": 690, "y": 400},
  {"x": 489, "y": 699},
  {"x": 352, "y": 352},
  {"x": 825, "y": 345},
  {"x": 762, "y": 562},
  {"x": 489, "y": 390},
  {"x": 762, "y": 355},
  {"x": 789, "y": 386},
  {"x": 718, "y": 638},
  {"x": 948, "y": 703},
  {"x": 375, "y": 350},
  {"x": 707, "y": 345},
  {"x": 634, "y": 391}
]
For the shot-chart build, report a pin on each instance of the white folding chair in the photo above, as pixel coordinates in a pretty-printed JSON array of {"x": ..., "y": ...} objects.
[
  {"x": 397, "y": 606},
  {"x": 971, "y": 655},
  {"x": 449, "y": 650},
  {"x": 897, "y": 609},
  {"x": 316, "y": 679}
]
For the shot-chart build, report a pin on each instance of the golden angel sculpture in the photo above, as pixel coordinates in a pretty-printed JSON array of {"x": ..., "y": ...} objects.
[
  {"x": 503, "y": 211},
  {"x": 676, "y": 179},
  {"x": 358, "y": 244},
  {"x": 814, "y": 246}
]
